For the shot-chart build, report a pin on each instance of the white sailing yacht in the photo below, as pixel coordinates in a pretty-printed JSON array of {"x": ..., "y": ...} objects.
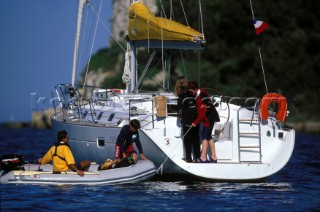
[{"x": 251, "y": 142}]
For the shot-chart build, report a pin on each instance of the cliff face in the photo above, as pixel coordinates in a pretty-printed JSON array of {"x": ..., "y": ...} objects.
[{"x": 96, "y": 78}]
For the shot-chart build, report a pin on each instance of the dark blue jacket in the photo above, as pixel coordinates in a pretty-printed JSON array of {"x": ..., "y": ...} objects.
[{"x": 126, "y": 137}]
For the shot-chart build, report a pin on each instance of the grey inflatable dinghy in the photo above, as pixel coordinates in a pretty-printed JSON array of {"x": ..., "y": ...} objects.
[{"x": 143, "y": 170}]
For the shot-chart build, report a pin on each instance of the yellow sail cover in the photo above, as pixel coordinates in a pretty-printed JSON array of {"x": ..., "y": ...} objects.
[{"x": 143, "y": 25}]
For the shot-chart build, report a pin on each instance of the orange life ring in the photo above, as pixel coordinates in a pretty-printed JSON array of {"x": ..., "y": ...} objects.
[{"x": 282, "y": 106}]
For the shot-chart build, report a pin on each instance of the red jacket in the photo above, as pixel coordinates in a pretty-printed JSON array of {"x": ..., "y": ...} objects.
[{"x": 201, "y": 108}]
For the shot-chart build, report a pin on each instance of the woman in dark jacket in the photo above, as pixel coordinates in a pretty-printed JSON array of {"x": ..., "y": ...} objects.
[{"x": 188, "y": 113}]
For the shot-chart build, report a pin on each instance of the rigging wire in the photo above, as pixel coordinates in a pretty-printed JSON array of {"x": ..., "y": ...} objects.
[
  {"x": 97, "y": 15},
  {"x": 162, "y": 10},
  {"x": 264, "y": 75},
  {"x": 184, "y": 14},
  {"x": 168, "y": 68},
  {"x": 169, "y": 155},
  {"x": 201, "y": 20},
  {"x": 94, "y": 35},
  {"x": 183, "y": 65},
  {"x": 148, "y": 32},
  {"x": 198, "y": 51},
  {"x": 171, "y": 11},
  {"x": 106, "y": 28},
  {"x": 261, "y": 62}
]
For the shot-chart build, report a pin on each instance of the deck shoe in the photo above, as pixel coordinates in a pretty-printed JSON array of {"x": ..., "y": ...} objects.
[
  {"x": 199, "y": 160},
  {"x": 187, "y": 160},
  {"x": 212, "y": 161}
]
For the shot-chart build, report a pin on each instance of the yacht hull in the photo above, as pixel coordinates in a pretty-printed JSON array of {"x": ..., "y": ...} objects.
[{"x": 164, "y": 146}]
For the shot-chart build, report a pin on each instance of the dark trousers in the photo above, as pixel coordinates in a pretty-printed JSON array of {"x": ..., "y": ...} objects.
[{"x": 191, "y": 142}]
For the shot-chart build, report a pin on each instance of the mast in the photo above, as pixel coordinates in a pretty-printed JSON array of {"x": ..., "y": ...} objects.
[
  {"x": 133, "y": 66},
  {"x": 133, "y": 63},
  {"x": 77, "y": 39}
]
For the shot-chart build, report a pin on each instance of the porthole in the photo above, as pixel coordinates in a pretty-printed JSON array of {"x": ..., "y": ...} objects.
[{"x": 100, "y": 142}]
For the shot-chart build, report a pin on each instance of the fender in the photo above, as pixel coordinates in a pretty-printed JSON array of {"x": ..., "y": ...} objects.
[{"x": 267, "y": 100}]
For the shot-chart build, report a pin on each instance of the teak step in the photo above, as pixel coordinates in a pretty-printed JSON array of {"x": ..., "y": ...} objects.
[
  {"x": 249, "y": 146},
  {"x": 250, "y": 133},
  {"x": 255, "y": 119},
  {"x": 248, "y": 122}
]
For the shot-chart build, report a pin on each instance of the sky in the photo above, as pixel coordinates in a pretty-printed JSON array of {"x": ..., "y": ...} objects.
[{"x": 36, "y": 51}]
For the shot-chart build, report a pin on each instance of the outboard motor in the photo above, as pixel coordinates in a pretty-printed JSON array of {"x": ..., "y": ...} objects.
[{"x": 12, "y": 162}]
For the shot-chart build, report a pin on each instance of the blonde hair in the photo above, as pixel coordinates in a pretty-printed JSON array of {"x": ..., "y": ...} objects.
[{"x": 181, "y": 85}]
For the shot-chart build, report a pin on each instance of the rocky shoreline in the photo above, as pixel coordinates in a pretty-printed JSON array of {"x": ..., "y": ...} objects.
[
  {"x": 306, "y": 127},
  {"x": 40, "y": 120}
]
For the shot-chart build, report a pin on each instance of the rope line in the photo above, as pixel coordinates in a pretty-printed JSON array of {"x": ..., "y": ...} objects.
[{"x": 161, "y": 166}]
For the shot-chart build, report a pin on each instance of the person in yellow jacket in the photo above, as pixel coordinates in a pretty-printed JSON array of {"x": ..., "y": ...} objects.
[{"x": 62, "y": 158}]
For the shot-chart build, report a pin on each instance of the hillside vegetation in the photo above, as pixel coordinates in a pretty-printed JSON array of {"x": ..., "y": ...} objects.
[{"x": 230, "y": 61}]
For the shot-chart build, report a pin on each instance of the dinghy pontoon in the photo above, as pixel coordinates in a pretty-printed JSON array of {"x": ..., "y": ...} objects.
[{"x": 141, "y": 171}]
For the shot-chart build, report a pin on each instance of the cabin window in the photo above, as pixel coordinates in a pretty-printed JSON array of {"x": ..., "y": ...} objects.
[
  {"x": 111, "y": 116},
  {"x": 100, "y": 115}
]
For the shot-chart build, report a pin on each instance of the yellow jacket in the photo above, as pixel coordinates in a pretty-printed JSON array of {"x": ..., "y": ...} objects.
[{"x": 59, "y": 165}]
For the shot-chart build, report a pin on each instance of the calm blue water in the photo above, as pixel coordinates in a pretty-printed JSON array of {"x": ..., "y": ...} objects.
[{"x": 295, "y": 188}]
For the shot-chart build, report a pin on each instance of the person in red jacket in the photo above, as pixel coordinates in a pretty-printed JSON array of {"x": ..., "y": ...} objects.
[{"x": 207, "y": 114}]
